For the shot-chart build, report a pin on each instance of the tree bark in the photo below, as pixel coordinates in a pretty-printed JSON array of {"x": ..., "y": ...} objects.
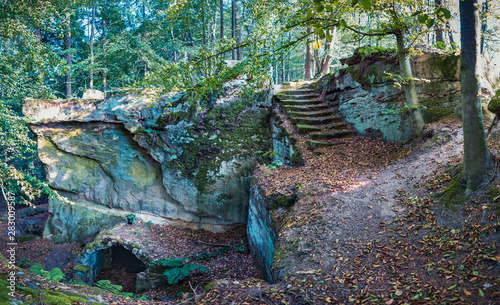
[
  {"x": 239, "y": 51},
  {"x": 104, "y": 72},
  {"x": 476, "y": 154},
  {"x": 308, "y": 72},
  {"x": 484, "y": 25},
  {"x": 221, "y": 20},
  {"x": 450, "y": 35},
  {"x": 325, "y": 63},
  {"x": 203, "y": 23},
  {"x": 67, "y": 55},
  {"x": 409, "y": 86},
  {"x": 437, "y": 26},
  {"x": 233, "y": 25},
  {"x": 91, "y": 47}
]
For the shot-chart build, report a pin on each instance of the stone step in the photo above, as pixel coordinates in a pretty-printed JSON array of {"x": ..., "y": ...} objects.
[
  {"x": 302, "y": 129},
  {"x": 306, "y": 108},
  {"x": 317, "y": 144},
  {"x": 316, "y": 121},
  {"x": 297, "y": 91},
  {"x": 315, "y": 114},
  {"x": 328, "y": 136},
  {"x": 302, "y": 97},
  {"x": 336, "y": 126},
  {"x": 304, "y": 102}
]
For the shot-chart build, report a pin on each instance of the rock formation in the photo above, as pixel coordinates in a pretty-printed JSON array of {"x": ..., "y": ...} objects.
[
  {"x": 368, "y": 98},
  {"x": 149, "y": 155}
]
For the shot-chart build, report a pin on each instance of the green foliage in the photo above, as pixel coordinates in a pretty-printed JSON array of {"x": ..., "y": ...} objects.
[
  {"x": 25, "y": 238},
  {"x": 175, "y": 275},
  {"x": 176, "y": 269},
  {"x": 54, "y": 275},
  {"x": 24, "y": 263},
  {"x": 106, "y": 285},
  {"x": 131, "y": 218},
  {"x": 368, "y": 50},
  {"x": 31, "y": 212},
  {"x": 275, "y": 164}
]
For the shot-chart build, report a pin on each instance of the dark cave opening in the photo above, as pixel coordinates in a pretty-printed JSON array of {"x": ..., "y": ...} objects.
[{"x": 121, "y": 268}]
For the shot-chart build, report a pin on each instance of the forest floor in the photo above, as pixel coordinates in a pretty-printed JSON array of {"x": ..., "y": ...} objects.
[{"x": 368, "y": 226}]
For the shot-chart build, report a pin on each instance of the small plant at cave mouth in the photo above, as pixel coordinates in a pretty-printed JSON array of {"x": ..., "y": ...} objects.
[
  {"x": 130, "y": 218},
  {"x": 116, "y": 289},
  {"x": 177, "y": 270}
]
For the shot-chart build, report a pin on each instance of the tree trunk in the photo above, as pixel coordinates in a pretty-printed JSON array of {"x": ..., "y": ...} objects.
[
  {"x": 450, "y": 35},
  {"x": 409, "y": 86},
  {"x": 104, "y": 72},
  {"x": 203, "y": 23},
  {"x": 144, "y": 40},
  {"x": 437, "y": 27},
  {"x": 325, "y": 63},
  {"x": 484, "y": 25},
  {"x": 476, "y": 154},
  {"x": 91, "y": 47},
  {"x": 67, "y": 55},
  {"x": 233, "y": 25},
  {"x": 308, "y": 72},
  {"x": 221, "y": 20},
  {"x": 239, "y": 51}
]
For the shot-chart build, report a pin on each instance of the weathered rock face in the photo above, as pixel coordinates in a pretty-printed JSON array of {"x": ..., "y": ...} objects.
[
  {"x": 371, "y": 103},
  {"x": 153, "y": 157},
  {"x": 261, "y": 233}
]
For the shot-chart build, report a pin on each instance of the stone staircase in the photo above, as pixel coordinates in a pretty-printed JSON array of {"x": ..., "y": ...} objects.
[{"x": 314, "y": 120}]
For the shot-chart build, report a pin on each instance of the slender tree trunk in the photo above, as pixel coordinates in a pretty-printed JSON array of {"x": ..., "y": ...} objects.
[
  {"x": 104, "y": 72},
  {"x": 437, "y": 26},
  {"x": 233, "y": 25},
  {"x": 67, "y": 55},
  {"x": 239, "y": 51},
  {"x": 410, "y": 89},
  {"x": 38, "y": 34},
  {"x": 203, "y": 23},
  {"x": 450, "y": 35},
  {"x": 91, "y": 47},
  {"x": 308, "y": 73},
  {"x": 221, "y": 20},
  {"x": 476, "y": 154},
  {"x": 144, "y": 41},
  {"x": 484, "y": 25},
  {"x": 325, "y": 63}
]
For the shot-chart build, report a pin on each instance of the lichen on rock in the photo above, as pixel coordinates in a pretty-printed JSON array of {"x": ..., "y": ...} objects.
[{"x": 149, "y": 154}]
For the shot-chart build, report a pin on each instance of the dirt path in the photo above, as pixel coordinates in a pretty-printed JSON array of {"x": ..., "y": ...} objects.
[{"x": 377, "y": 236}]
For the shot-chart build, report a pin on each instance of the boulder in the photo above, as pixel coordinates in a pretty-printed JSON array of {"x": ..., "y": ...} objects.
[
  {"x": 141, "y": 153},
  {"x": 92, "y": 94},
  {"x": 494, "y": 104}
]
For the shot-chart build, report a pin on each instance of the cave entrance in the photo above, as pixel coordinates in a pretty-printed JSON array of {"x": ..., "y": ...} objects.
[{"x": 120, "y": 266}]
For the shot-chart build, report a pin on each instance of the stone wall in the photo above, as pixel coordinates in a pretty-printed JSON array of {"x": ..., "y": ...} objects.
[
  {"x": 368, "y": 100},
  {"x": 150, "y": 155}
]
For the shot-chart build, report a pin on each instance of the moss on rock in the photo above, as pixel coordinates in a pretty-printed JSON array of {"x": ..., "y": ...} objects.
[{"x": 494, "y": 104}]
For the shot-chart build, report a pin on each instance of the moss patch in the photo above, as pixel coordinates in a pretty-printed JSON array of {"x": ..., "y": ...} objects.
[
  {"x": 4, "y": 290},
  {"x": 494, "y": 104},
  {"x": 455, "y": 192},
  {"x": 53, "y": 297},
  {"x": 25, "y": 238},
  {"x": 82, "y": 268}
]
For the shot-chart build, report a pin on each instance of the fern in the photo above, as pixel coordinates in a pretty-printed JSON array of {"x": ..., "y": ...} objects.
[
  {"x": 54, "y": 275},
  {"x": 106, "y": 285},
  {"x": 176, "y": 274},
  {"x": 171, "y": 263}
]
